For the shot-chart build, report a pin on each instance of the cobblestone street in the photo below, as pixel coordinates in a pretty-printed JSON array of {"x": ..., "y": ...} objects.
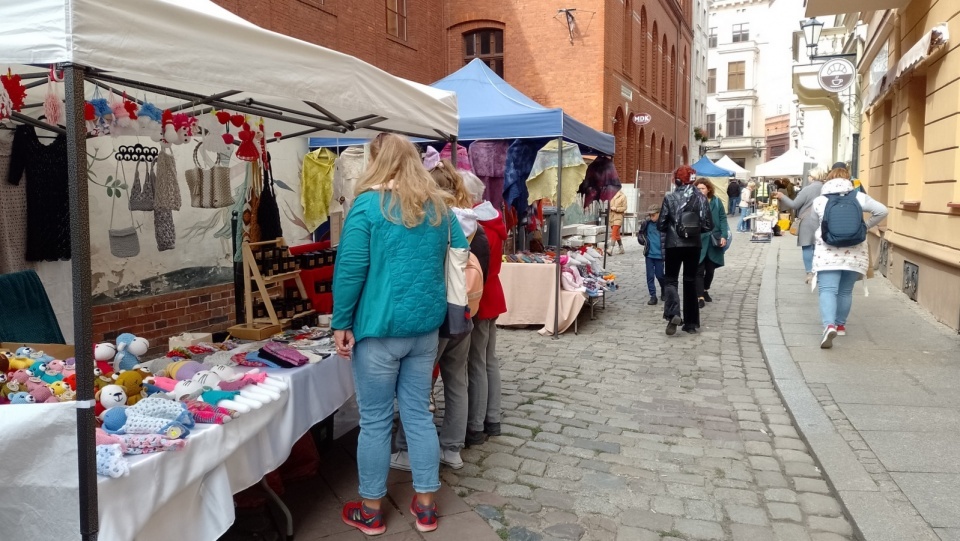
[{"x": 624, "y": 433}]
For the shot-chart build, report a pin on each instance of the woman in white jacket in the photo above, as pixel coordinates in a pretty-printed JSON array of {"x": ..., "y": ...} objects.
[{"x": 838, "y": 268}]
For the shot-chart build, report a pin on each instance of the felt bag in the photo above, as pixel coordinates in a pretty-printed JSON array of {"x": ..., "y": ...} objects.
[
  {"x": 457, "y": 322},
  {"x": 166, "y": 190},
  {"x": 209, "y": 188},
  {"x": 163, "y": 228},
  {"x": 268, "y": 212},
  {"x": 282, "y": 355},
  {"x": 141, "y": 198},
  {"x": 124, "y": 242}
]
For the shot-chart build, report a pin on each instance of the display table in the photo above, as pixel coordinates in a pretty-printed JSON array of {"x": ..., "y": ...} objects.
[
  {"x": 530, "y": 292},
  {"x": 188, "y": 494}
]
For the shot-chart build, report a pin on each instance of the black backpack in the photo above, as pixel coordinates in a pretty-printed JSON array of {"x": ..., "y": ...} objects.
[
  {"x": 842, "y": 223},
  {"x": 688, "y": 225}
]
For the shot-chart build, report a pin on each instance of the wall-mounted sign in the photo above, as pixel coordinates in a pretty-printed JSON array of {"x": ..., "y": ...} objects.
[
  {"x": 626, "y": 93},
  {"x": 642, "y": 119},
  {"x": 837, "y": 75}
]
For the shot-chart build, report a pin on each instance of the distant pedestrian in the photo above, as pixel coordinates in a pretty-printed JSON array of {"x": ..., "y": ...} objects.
[
  {"x": 746, "y": 207},
  {"x": 652, "y": 240},
  {"x": 837, "y": 267},
  {"x": 807, "y": 227},
  {"x": 684, "y": 215},
  {"x": 712, "y": 243},
  {"x": 618, "y": 207},
  {"x": 733, "y": 194}
]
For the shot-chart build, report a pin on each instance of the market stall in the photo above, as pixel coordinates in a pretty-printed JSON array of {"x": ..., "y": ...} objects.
[
  {"x": 719, "y": 176},
  {"x": 198, "y": 57},
  {"x": 726, "y": 163}
]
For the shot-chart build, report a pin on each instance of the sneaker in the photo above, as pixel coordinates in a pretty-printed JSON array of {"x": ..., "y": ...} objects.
[
  {"x": 368, "y": 521},
  {"x": 620, "y": 250},
  {"x": 841, "y": 330},
  {"x": 701, "y": 302},
  {"x": 652, "y": 301},
  {"x": 672, "y": 325},
  {"x": 400, "y": 461},
  {"x": 451, "y": 458},
  {"x": 690, "y": 330},
  {"x": 426, "y": 516},
  {"x": 475, "y": 437},
  {"x": 828, "y": 335},
  {"x": 707, "y": 297}
]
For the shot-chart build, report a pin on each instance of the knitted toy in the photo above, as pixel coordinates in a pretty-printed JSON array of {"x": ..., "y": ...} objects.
[
  {"x": 208, "y": 413},
  {"x": 103, "y": 354},
  {"x": 68, "y": 396},
  {"x": 131, "y": 381},
  {"x": 56, "y": 366},
  {"x": 193, "y": 390},
  {"x": 8, "y": 389},
  {"x": 247, "y": 151},
  {"x": 149, "y": 118},
  {"x": 58, "y": 388},
  {"x": 212, "y": 131},
  {"x": 21, "y": 398},
  {"x": 43, "y": 394},
  {"x": 183, "y": 370},
  {"x": 20, "y": 376},
  {"x": 15, "y": 89},
  {"x": 110, "y": 461},
  {"x": 69, "y": 367},
  {"x": 227, "y": 373},
  {"x": 145, "y": 420},
  {"x": 248, "y": 389},
  {"x": 129, "y": 349},
  {"x": 99, "y": 382}
]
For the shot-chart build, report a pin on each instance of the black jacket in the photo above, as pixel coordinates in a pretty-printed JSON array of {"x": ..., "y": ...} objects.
[
  {"x": 673, "y": 204},
  {"x": 734, "y": 189}
]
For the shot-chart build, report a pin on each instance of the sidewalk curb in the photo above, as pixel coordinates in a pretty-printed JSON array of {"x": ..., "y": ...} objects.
[{"x": 873, "y": 518}]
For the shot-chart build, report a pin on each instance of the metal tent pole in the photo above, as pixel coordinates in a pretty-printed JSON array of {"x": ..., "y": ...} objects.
[
  {"x": 237, "y": 270},
  {"x": 82, "y": 309},
  {"x": 559, "y": 203}
]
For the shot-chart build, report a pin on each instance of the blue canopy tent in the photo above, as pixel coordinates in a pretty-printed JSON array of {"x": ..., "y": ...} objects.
[
  {"x": 706, "y": 168},
  {"x": 490, "y": 108}
]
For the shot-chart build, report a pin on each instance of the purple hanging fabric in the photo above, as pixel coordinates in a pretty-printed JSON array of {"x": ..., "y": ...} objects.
[
  {"x": 463, "y": 159},
  {"x": 489, "y": 161},
  {"x": 601, "y": 182}
]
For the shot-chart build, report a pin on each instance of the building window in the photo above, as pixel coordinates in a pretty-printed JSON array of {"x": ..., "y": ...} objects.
[
  {"x": 628, "y": 39},
  {"x": 487, "y": 45},
  {"x": 777, "y": 151},
  {"x": 741, "y": 32},
  {"x": 711, "y": 126},
  {"x": 397, "y": 18},
  {"x": 712, "y": 81},
  {"x": 735, "y": 122},
  {"x": 742, "y": 162},
  {"x": 712, "y": 40},
  {"x": 736, "y": 75}
]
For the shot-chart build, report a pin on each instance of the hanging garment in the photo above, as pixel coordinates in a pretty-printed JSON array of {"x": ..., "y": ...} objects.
[
  {"x": 520, "y": 157},
  {"x": 601, "y": 182},
  {"x": 164, "y": 230},
  {"x": 316, "y": 186},
  {"x": 268, "y": 213},
  {"x": 166, "y": 189},
  {"x": 13, "y": 214},
  {"x": 141, "y": 197},
  {"x": 542, "y": 182},
  {"x": 44, "y": 167},
  {"x": 489, "y": 161},
  {"x": 346, "y": 175},
  {"x": 463, "y": 158}
]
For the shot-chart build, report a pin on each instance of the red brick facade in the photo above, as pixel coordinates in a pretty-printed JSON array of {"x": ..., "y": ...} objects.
[{"x": 157, "y": 318}]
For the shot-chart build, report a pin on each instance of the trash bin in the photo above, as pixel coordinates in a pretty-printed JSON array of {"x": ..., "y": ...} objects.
[{"x": 554, "y": 226}]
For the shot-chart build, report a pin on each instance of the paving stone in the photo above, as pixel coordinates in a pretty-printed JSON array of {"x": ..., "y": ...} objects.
[
  {"x": 500, "y": 475},
  {"x": 745, "y": 532},
  {"x": 764, "y": 463},
  {"x": 835, "y": 525},
  {"x": 742, "y": 514},
  {"x": 819, "y": 504},
  {"x": 556, "y": 471},
  {"x": 473, "y": 483},
  {"x": 803, "y": 484},
  {"x": 790, "y": 455},
  {"x": 667, "y": 505},
  {"x": 780, "y": 495},
  {"x": 627, "y": 533},
  {"x": 488, "y": 512},
  {"x": 737, "y": 496},
  {"x": 569, "y": 531},
  {"x": 771, "y": 479},
  {"x": 789, "y": 443},
  {"x": 525, "y": 505},
  {"x": 552, "y": 498},
  {"x": 758, "y": 448},
  {"x": 702, "y": 510},
  {"x": 517, "y": 518},
  {"x": 532, "y": 467},
  {"x": 514, "y": 491},
  {"x": 699, "y": 529},
  {"x": 800, "y": 469},
  {"x": 559, "y": 517},
  {"x": 522, "y": 534},
  {"x": 784, "y": 511},
  {"x": 502, "y": 460}
]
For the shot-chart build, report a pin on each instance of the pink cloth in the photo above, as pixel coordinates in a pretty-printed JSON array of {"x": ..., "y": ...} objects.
[
  {"x": 234, "y": 385},
  {"x": 259, "y": 377},
  {"x": 463, "y": 158},
  {"x": 167, "y": 384},
  {"x": 208, "y": 413},
  {"x": 141, "y": 444},
  {"x": 108, "y": 439}
]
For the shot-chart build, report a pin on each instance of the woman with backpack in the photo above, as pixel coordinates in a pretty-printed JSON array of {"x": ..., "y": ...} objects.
[
  {"x": 684, "y": 216},
  {"x": 803, "y": 205},
  {"x": 840, "y": 256},
  {"x": 390, "y": 298}
]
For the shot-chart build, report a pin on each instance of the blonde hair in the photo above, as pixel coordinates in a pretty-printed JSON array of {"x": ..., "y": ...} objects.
[
  {"x": 397, "y": 167},
  {"x": 450, "y": 181},
  {"x": 839, "y": 172}
]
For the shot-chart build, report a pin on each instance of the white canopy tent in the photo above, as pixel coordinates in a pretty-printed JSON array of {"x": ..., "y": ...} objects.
[
  {"x": 197, "y": 52},
  {"x": 726, "y": 163},
  {"x": 790, "y": 164}
]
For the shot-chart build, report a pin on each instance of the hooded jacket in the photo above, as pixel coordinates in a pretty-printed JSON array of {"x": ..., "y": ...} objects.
[
  {"x": 850, "y": 258},
  {"x": 618, "y": 207},
  {"x": 673, "y": 205},
  {"x": 492, "y": 303}
]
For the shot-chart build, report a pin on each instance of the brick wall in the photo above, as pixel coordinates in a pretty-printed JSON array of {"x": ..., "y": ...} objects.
[{"x": 157, "y": 318}]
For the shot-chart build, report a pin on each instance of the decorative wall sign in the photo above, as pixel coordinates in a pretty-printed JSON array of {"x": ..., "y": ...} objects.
[
  {"x": 837, "y": 75},
  {"x": 642, "y": 119}
]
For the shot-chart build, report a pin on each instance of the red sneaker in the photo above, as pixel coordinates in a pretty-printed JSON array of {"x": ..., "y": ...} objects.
[
  {"x": 841, "y": 330},
  {"x": 426, "y": 516},
  {"x": 360, "y": 517}
]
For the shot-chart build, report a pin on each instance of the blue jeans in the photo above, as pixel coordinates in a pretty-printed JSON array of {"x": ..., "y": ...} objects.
[
  {"x": 836, "y": 295},
  {"x": 734, "y": 205},
  {"x": 401, "y": 367},
  {"x": 744, "y": 225},
  {"x": 654, "y": 270},
  {"x": 807, "y": 258}
]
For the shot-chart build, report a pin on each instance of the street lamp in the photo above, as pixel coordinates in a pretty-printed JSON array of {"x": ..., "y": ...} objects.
[
  {"x": 758, "y": 148},
  {"x": 811, "y": 34},
  {"x": 705, "y": 148}
]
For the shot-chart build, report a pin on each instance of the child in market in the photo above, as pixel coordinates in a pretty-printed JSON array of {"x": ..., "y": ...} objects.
[{"x": 652, "y": 241}]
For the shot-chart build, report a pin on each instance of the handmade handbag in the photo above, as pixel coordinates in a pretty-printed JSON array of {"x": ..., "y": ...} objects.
[
  {"x": 268, "y": 212},
  {"x": 209, "y": 188},
  {"x": 457, "y": 323},
  {"x": 163, "y": 228},
  {"x": 166, "y": 190},
  {"x": 141, "y": 198},
  {"x": 124, "y": 242}
]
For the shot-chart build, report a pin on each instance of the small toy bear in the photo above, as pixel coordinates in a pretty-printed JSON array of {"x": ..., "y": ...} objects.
[{"x": 129, "y": 350}]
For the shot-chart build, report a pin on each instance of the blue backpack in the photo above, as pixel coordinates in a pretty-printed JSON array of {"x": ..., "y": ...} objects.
[{"x": 842, "y": 223}]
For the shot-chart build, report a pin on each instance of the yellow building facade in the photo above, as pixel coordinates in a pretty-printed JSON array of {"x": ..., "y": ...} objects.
[{"x": 910, "y": 145}]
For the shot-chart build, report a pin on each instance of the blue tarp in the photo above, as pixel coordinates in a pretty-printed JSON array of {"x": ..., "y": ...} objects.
[
  {"x": 489, "y": 108},
  {"x": 706, "y": 168}
]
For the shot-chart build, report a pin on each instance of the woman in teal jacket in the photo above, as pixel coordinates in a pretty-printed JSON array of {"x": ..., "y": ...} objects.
[
  {"x": 389, "y": 299},
  {"x": 711, "y": 256}
]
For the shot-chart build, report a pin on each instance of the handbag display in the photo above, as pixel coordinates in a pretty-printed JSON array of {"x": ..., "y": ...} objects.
[
  {"x": 457, "y": 322},
  {"x": 124, "y": 242},
  {"x": 141, "y": 198},
  {"x": 166, "y": 190},
  {"x": 268, "y": 212},
  {"x": 209, "y": 188}
]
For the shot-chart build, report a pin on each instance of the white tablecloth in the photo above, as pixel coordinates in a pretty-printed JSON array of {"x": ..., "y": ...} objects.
[
  {"x": 188, "y": 495},
  {"x": 530, "y": 292}
]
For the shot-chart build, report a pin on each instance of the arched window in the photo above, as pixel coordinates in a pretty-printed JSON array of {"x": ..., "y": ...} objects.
[
  {"x": 628, "y": 38},
  {"x": 664, "y": 164},
  {"x": 673, "y": 79},
  {"x": 654, "y": 62},
  {"x": 664, "y": 87},
  {"x": 619, "y": 155},
  {"x": 654, "y": 155},
  {"x": 672, "y": 156},
  {"x": 631, "y": 153},
  {"x": 683, "y": 153},
  {"x": 487, "y": 45},
  {"x": 641, "y": 151},
  {"x": 644, "y": 48}
]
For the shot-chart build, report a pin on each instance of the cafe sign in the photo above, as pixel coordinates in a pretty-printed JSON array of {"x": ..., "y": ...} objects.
[{"x": 837, "y": 75}]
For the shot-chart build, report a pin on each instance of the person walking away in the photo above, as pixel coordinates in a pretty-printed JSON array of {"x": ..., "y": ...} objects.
[
  {"x": 841, "y": 256},
  {"x": 618, "y": 207},
  {"x": 684, "y": 215},
  {"x": 387, "y": 312},
  {"x": 712, "y": 243},
  {"x": 451, "y": 353},
  {"x": 746, "y": 206},
  {"x": 807, "y": 226},
  {"x": 733, "y": 194},
  {"x": 652, "y": 240},
  {"x": 483, "y": 368}
]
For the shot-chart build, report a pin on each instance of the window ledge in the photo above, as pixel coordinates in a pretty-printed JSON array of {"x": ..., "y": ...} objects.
[
  {"x": 953, "y": 205},
  {"x": 399, "y": 41},
  {"x": 912, "y": 206}
]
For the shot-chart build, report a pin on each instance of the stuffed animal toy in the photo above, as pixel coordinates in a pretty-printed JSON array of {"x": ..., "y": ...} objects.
[
  {"x": 41, "y": 369},
  {"x": 20, "y": 376},
  {"x": 56, "y": 366},
  {"x": 183, "y": 370},
  {"x": 228, "y": 374},
  {"x": 4, "y": 363},
  {"x": 10, "y": 388},
  {"x": 58, "y": 388},
  {"x": 22, "y": 398},
  {"x": 100, "y": 382},
  {"x": 129, "y": 350},
  {"x": 21, "y": 359},
  {"x": 71, "y": 381},
  {"x": 104, "y": 354},
  {"x": 3, "y": 378},
  {"x": 209, "y": 413},
  {"x": 33, "y": 383},
  {"x": 193, "y": 390},
  {"x": 43, "y": 395},
  {"x": 247, "y": 388},
  {"x": 151, "y": 415},
  {"x": 69, "y": 367},
  {"x": 68, "y": 396},
  {"x": 131, "y": 381}
]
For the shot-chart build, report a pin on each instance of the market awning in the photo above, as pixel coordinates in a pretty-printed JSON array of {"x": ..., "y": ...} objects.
[
  {"x": 913, "y": 58},
  {"x": 789, "y": 164},
  {"x": 817, "y": 8},
  {"x": 706, "y": 168}
]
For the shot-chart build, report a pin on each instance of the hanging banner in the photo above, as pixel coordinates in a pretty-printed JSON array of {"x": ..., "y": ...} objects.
[{"x": 837, "y": 75}]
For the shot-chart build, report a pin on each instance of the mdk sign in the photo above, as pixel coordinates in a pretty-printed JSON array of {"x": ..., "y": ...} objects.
[
  {"x": 642, "y": 119},
  {"x": 837, "y": 75}
]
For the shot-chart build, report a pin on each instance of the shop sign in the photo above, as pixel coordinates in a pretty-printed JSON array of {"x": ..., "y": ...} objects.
[
  {"x": 642, "y": 119},
  {"x": 836, "y": 75},
  {"x": 626, "y": 92}
]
